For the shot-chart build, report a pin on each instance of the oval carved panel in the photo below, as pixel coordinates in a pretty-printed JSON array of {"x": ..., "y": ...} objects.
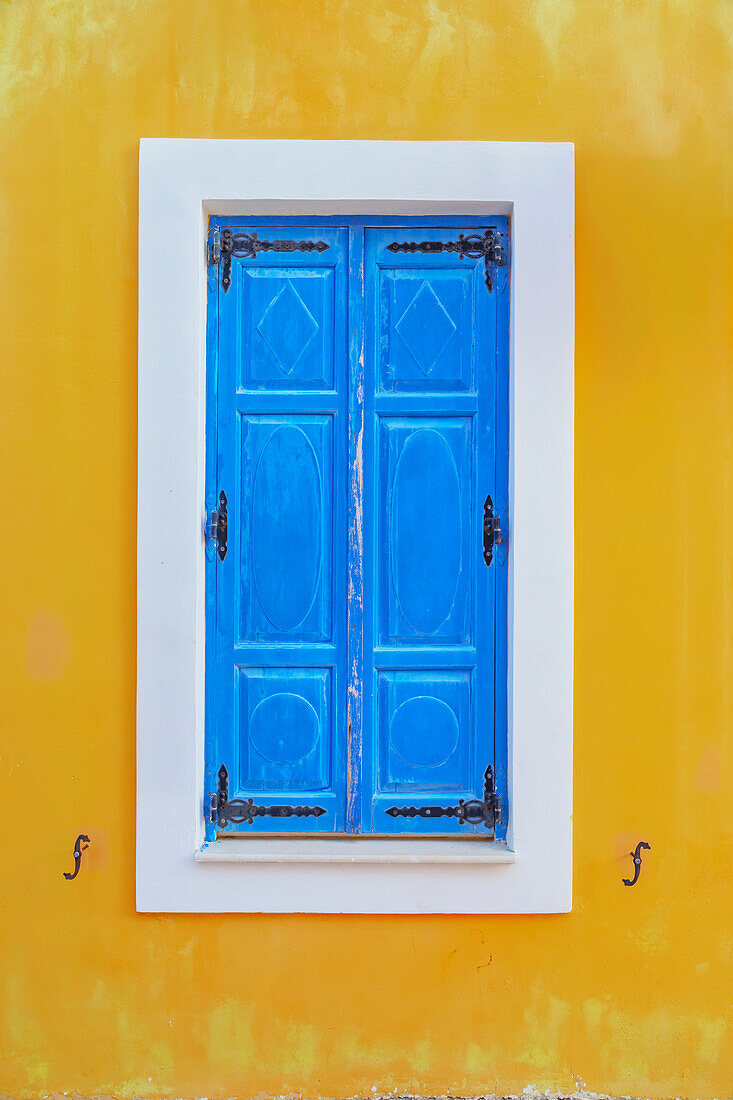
[
  {"x": 424, "y": 732},
  {"x": 284, "y": 728},
  {"x": 425, "y": 531},
  {"x": 286, "y": 527}
]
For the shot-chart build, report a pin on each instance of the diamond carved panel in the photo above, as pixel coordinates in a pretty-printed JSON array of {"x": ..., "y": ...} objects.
[
  {"x": 425, "y": 328},
  {"x": 287, "y": 327}
]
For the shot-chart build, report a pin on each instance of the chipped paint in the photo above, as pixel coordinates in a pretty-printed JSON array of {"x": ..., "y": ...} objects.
[{"x": 355, "y": 705}]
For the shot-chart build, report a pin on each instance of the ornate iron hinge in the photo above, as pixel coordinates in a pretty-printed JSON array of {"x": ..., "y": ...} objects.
[
  {"x": 225, "y": 811},
  {"x": 486, "y": 812},
  {"x": 492, "y": 530},
  {"x": 472, "y": 246},
  {"x": 217, "y": 526},
  {"x": 224, "y": 244}
]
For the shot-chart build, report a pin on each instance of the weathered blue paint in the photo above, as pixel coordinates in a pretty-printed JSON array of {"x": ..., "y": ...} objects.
[
  {"x": 357, "y": 417},
  {"x": 355, "y": 590},
  {"x": 211, "y": 671},
  {"x": 500, "y": 496},
  {"x": 277, "y": 717},
  {"x": 430, "y": 450}
]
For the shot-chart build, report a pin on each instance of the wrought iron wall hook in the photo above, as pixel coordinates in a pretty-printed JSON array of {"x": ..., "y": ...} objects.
[
  {"x": 636, "y": 854},
  {"x": 79, "y": 847}
]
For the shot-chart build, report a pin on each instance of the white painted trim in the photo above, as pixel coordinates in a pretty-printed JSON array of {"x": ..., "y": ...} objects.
[
  {"x": 353, "y": 850},
  {"x": 181, "y": 182}
]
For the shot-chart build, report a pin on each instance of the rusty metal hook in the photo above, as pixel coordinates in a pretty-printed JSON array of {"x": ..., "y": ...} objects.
[
  {"x": 637, "y": 862},
  {"x": 78, "y": 849}
]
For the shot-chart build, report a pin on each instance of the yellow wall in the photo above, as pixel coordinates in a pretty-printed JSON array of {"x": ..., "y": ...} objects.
[{"x": 628, "y": 993}]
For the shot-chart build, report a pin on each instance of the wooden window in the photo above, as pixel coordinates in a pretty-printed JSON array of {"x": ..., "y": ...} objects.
[{"x": 357, "y": 423}]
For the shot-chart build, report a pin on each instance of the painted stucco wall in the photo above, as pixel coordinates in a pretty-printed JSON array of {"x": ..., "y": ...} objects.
[{"x": 629, "y": 992}]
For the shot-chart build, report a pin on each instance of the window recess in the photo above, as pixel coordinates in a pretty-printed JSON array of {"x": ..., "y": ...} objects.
[{"x": 357, "y": 480}]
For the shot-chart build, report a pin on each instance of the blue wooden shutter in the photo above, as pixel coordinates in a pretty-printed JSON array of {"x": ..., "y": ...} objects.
[
  {"x": 433, "y": 452},
  {"x": 357, "y": 419},
  {"x": 277, "y": 611}
]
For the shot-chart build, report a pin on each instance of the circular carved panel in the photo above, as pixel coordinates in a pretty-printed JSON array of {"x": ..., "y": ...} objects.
[
  {"x": 424, "y": 732},
  {"x": 284, "y": 728}
]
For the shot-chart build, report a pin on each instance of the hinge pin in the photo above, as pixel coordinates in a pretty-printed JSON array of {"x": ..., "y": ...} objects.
[
  {"x": 217, "y": 526},
  {"x": 215, "y": 246},
  {"x": 492, "y": 530}
]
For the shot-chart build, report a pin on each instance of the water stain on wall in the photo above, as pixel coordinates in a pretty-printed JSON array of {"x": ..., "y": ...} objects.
[{"x": 48, "y": 646}]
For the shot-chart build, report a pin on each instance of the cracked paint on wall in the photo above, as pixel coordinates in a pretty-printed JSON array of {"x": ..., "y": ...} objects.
[{"x": 630, "y": 992}]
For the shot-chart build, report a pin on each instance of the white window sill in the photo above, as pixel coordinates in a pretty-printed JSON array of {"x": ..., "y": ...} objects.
[{"x": 352, "y": 850}]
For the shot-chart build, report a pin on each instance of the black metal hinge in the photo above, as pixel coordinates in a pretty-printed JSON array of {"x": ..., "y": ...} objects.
[
  {"x": 223, "y": 244},
  {"x": 486, "y": 812},
  {"x": 468, "y": 246},
  {"x": 218, "y": 526},
  {"x": 224, "y": 811},
  {"x": 492, "y": 530}
]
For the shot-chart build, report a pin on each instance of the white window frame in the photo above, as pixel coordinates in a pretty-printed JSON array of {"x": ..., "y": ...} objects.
[{"x": 182, "y": 182}]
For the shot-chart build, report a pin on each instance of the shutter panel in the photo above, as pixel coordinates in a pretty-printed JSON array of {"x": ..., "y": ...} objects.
[
  {"x": 276, "y": 700},
  {"x": 356, "y": 640},
  {"x": 430, "y": 454}
]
